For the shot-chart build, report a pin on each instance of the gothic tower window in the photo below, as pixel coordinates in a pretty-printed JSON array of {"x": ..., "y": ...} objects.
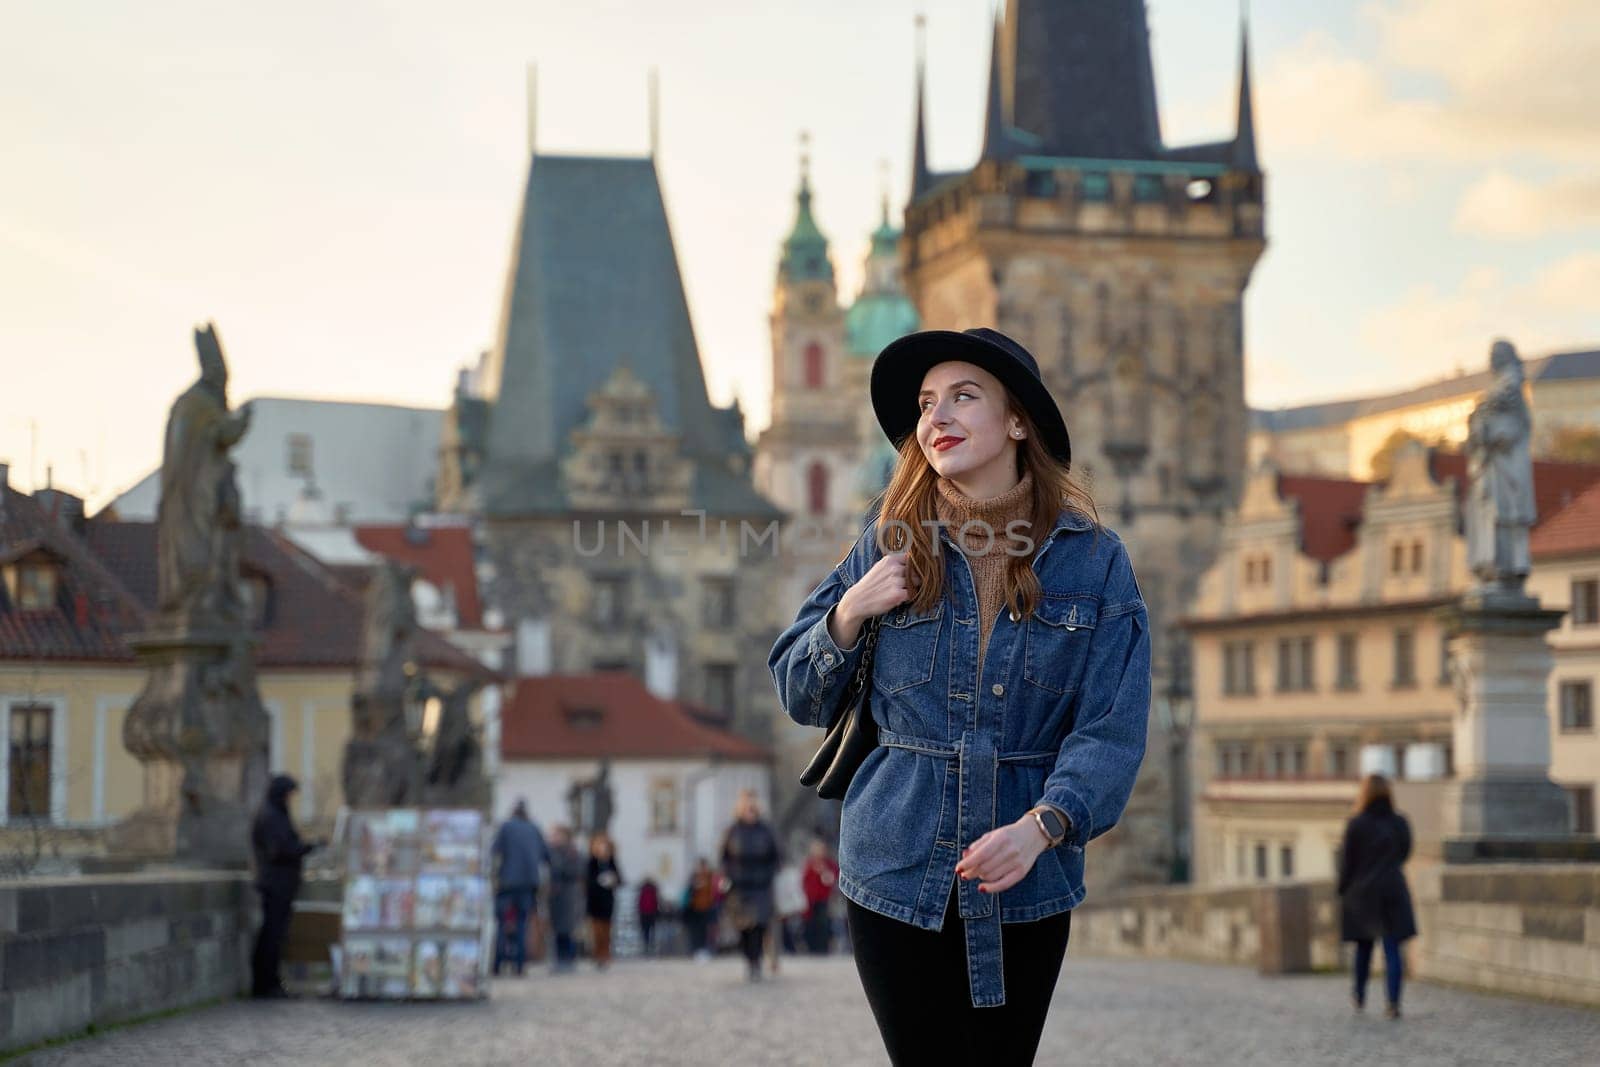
[
  {"x": 813, "y": 366},
  {"x": 817, "y": 488}
]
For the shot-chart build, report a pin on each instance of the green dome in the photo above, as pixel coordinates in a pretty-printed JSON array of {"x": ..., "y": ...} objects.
[
  {"x": 875, "y": 319},
  {"x": 805, "y": 250}
]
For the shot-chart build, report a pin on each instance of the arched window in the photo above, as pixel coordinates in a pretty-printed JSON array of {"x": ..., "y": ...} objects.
[
  {"x": 813, "y": 366},
  {"x": 817, "y": 489}
]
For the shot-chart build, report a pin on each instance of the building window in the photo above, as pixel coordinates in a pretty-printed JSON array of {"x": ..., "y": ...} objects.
[
  {"x": 1295, "y": 664},
  {"x": 609, "y": 600},
  {"x": 817, "y": 489},
  {"x": 719, "y": 688},
  {"x": 1261, "y": 861},
  {"x": 1266, "y": 570},
  {"x": 1286, "y": 759},
  {"x": 1444, "y": 659},
  {"x": 1581, "y": 800},
  {"x": 813, "y": 365},
  {"x": 1250, "y": 571},
  {"x": 30, "y": 730},
  {"x": 31, "y": 584},
  {"x": 1338, "y": 760},
  {"x": 1233, "y": 759},
  {"x": 1286, "y": 861},
  {"x": 300, "y": 454},
  {"x": 1405, "y": 659},
  {"x": 1586, "y": 602},
  {"x": 1416, "y": 557},
  {"x": 1577, "y": 706},
  {"x": 717, "y": 600},
  {"x": 1349, "y": 669},
  {"x": 663, "y": 806},
  {"x": 1397, "y": 558},
  {"x": 1238, "y": 668}
]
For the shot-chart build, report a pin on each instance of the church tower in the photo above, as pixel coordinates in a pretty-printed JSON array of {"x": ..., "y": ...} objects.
[
  {"x": 1121, "y": 263},
  {"x": 807, "y": 458}
]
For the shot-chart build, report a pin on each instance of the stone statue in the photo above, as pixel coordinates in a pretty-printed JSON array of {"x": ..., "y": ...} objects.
[
  {"x": 199, "y": 516},
  {"x": 382, "y": 767},
  {"x": 1500, "y": 506},
  {"x": 198, "y": 726},
  {"x": 589, "y": 803},
  {"x": 455, "y": 765}
]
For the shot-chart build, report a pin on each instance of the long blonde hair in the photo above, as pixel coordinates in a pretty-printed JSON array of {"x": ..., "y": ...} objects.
[{"x": 909, "y": 504}]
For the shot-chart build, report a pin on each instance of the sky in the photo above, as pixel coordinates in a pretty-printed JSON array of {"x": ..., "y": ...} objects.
[{"x": 335, "y": 185}]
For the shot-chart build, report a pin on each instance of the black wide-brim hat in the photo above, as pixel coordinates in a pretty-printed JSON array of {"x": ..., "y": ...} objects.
[{"x": 898, "y": 371}]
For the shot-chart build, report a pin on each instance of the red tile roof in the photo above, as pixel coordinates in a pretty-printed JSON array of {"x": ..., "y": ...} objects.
[
  {"x": 1572, "y": 531},
  {"x": 92, "y": 610},
  {"x": 1331, "y": 508},
  {"x": 314, "y": 620},
  {"x": 1330, "y": 511},
  {"x": 588, "y": 716},
  {"x": 442, "y": 555}
]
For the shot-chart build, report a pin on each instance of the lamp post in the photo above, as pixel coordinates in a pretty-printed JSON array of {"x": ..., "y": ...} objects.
[{"x": 1177, "y": 714}]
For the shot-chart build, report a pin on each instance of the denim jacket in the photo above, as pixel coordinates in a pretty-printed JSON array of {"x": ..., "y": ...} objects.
[{"x": 1059, "y": 716}]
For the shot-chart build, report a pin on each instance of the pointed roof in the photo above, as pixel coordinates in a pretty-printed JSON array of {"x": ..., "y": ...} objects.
[
  {"x": 1244, "y": 142},
  {"x": 921, "y": 178},
  {"x": 609, "y": 715},
  {"x": 1074, "y": 78},
  {"x": 998, "y": 142},
  {"x": 594, "y": 283}
]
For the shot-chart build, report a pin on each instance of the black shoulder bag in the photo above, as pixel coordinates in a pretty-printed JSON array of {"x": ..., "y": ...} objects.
[{"x": 851, "y": 735}]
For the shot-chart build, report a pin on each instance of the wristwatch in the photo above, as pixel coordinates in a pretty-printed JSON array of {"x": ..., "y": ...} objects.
[{"x": 1051, "y": 824}]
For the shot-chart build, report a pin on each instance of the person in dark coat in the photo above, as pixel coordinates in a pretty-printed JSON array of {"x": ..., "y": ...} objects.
[
  {"x": 519, "y": 852},
  {"x": 278, "y": 852},
  {"x": 601, "y": 897},
  {"x": 1375, "y": 902},
  {"x": 750, "y": 860},
  {"x": 566, "y": 905}
]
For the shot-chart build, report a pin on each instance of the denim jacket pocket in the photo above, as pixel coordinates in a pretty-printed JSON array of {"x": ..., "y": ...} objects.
[
  {"x": 1057, "y": 641},
  {"x": 908, "y": 644}
]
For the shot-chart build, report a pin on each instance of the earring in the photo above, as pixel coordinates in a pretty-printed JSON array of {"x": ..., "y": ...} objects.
[{"x": 1017, "y": 434}]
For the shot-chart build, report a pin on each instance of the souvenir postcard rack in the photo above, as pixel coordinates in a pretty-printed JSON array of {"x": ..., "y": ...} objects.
[{"x": 418, "y": 912}]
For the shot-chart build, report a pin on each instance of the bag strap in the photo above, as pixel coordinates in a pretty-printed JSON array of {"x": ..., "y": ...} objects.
[{"x": 863, "y": 674}]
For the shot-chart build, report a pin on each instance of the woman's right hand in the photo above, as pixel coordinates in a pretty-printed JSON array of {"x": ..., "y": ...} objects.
[{"x": 886, "y": 585}]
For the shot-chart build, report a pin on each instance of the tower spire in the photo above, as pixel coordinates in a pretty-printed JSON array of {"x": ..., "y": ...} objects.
[
  {"x": 1244, "y": 141},
  {"x": 655, "y": 112},
  {"x": 921, "y": 180},
  {"x": 996, "y": 144},
  {"x": 805, "y": 250},
  {"x": 533, "y": 109}
]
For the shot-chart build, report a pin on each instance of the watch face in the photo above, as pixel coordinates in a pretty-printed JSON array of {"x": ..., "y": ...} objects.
[{"x": 1053, "y": 823}]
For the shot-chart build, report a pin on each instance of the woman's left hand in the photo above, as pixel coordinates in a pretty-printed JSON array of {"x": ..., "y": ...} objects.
[{"x": 1003, "y": 856}]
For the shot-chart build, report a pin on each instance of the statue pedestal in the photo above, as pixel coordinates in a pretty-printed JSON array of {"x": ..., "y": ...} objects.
[
  {"x": 201, "y": 732},
  {"x": 1502, "y": 798}
]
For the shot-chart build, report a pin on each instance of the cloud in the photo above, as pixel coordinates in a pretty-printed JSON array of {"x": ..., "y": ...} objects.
[
  {"x": 1502, "y": 205},
  {"x": 1434, "y": 331},
  {"x": 1529, "y": 85}
]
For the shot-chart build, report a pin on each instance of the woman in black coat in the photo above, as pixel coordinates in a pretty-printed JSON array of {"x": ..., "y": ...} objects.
[
  {"x": 750, "y": 860},
  {"x": 600, "y": 897},
  {"x": 1376, "y": 905}
]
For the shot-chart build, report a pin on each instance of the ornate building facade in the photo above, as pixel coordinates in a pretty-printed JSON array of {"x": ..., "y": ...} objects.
[{"x": 1121, "y": 264}]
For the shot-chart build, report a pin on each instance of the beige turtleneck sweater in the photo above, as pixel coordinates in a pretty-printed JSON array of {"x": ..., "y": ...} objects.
[{"x": 955, "y": 509}]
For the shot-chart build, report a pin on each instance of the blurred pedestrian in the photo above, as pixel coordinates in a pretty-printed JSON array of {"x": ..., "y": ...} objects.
[
  {"x": 821, "y": 875},
  {"x": 750, "y": 862},
  {"x": 700, "y": 908},
  {"x": 566, "y": 896},
  {"x": 1375, "y": 901},
  {"x": 279, "y": 853},
  {"x": 601, "y": 897},
  {"x": 518, "y": 854},
  {"x": 789, "y": 900},
  {"x": 649, "y": 907}
]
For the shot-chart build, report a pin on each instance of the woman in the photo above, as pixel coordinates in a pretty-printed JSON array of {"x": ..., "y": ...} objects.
[
  {"x": 750, "y": 862},
  {"x": 601, "y": 897},
  {"x": 1010, "y": 685},
  {"x": 1376, "y": 905}
]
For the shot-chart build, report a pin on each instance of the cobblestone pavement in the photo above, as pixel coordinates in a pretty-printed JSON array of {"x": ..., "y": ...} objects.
[{"x": 1107, "y": 1012}]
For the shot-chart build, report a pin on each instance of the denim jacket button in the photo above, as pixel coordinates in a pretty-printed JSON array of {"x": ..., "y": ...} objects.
[
  {"x": 998, "y": 690},
  {"x": 827, "y": 659}
]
